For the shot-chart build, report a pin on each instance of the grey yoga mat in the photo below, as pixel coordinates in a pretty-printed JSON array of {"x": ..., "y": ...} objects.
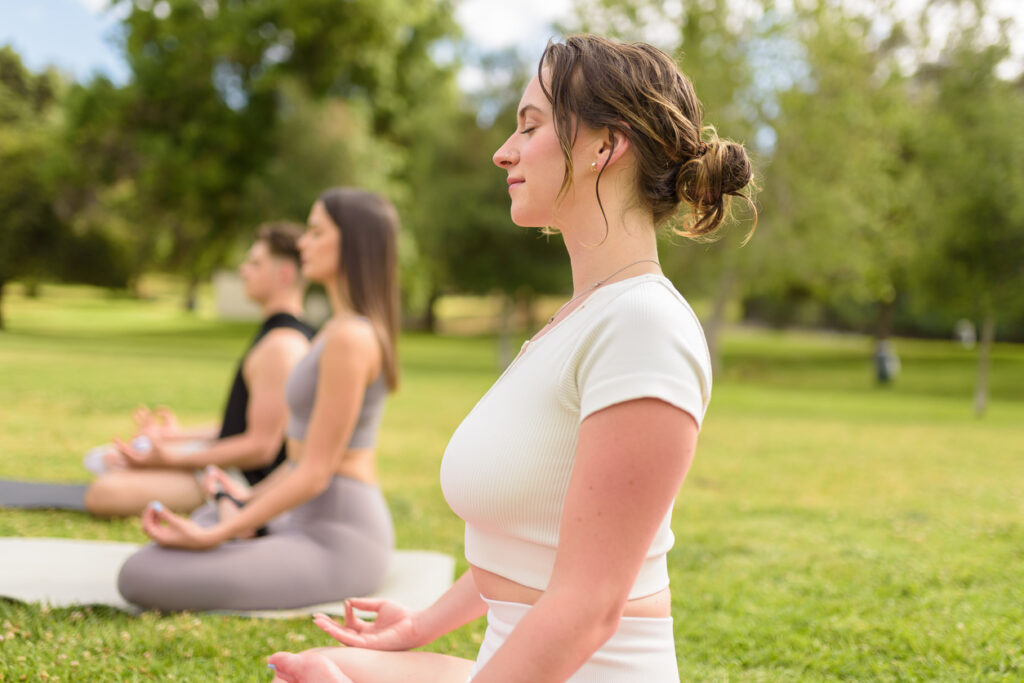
[{"x": 31, "y": 495}]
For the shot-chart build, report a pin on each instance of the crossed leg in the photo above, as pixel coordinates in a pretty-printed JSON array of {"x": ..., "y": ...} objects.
[
  {"x": 126, "y": 492},
  {"x": 358, "y": 665}
]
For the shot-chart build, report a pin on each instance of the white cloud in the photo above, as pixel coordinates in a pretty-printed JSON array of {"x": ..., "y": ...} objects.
[
  {"x": 525, "y": 24},
  {"x": 94, "y": 6}
]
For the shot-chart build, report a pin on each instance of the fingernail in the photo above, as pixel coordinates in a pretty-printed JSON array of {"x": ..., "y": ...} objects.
[
  {"x": 158, "y": 506},
  {"x": 271, "y": 666}
]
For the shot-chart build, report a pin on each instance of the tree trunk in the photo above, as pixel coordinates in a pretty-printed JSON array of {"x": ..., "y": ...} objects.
[
  {"x": 505, "y": 328},
  {"x": 723, "y": 295},
  {"x": 430, "y": 313},
  {"x": 988, "y": 335},
  {"x": 2, "y": 283},
  {"x": 192, "y": 292}
]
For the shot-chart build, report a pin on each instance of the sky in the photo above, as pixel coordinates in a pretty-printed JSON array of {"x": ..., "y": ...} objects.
[{"x": 75, "y": 35}]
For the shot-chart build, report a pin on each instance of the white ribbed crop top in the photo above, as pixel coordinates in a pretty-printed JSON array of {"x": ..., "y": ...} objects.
[{"x": 507, "y": 467}]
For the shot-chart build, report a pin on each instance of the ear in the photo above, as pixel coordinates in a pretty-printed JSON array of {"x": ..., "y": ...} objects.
[{"x": 612, "y": 148}]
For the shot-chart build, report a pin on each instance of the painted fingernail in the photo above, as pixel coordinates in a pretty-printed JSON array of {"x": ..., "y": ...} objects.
[
  {"x": 158, "y": 506},
  {"x": 271, "y": 666}
]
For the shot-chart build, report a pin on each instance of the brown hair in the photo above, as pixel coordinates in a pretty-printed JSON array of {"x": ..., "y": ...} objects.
[
  {"x": 368, "y": 224},
  {"x": 638, "y": 91},
  {"x": 282, "y": 239}
]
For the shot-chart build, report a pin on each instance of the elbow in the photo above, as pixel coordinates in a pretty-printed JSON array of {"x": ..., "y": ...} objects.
[
  {"x": 263, "y": 449},
  {"x": 598, "y": 613},
  {"x": 606, "y": 621},
  {"x": 315, "y": 480},
  {"x": 266, "y": 450}
]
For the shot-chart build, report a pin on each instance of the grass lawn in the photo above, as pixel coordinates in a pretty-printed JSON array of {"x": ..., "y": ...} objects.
[{"x": 829, "y": 529}]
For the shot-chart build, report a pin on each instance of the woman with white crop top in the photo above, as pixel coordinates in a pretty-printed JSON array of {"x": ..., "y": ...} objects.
[{"x": 566, "y": 470}]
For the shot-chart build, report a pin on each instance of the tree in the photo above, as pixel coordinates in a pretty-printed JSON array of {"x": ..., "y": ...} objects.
[
  {"x": 35, "y": 241},
  {"x": 974, "y": 148},
  {"x": 464, "y": 234},
  {"x": 209, "y": 81},
  {"x": 845, "y": 180}
]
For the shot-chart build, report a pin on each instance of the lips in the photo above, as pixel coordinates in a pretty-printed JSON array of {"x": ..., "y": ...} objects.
[{"x": 514, "y": 181}]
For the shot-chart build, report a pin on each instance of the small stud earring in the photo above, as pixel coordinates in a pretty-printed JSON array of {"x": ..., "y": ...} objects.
[{"x": 593, "y": 166}]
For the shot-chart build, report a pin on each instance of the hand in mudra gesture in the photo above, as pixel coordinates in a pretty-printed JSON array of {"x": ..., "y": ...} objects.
[{"x": 393, "y": 629}]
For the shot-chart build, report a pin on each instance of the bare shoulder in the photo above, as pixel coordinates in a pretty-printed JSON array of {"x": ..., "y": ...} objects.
[
  {"x": 281, "y": 341},
  {"x": 281, "y": 346},
  {"x": 350, "y": 335},
  {"x": 350, "y": 348}
]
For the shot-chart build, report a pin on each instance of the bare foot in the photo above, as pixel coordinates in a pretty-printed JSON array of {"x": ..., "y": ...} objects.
[{"x": 306, "y": 666}]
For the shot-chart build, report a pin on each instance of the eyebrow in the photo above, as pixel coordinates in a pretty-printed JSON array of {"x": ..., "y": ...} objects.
[{"x": 526, "y": 107}]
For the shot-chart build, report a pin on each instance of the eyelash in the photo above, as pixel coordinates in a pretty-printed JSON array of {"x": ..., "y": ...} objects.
[{"x": 524, "y": 131}]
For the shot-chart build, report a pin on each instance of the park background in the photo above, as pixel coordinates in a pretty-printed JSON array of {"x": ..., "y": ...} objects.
[{"x": 834, "y": 527}]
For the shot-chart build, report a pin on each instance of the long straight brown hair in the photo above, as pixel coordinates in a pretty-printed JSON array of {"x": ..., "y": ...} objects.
[{"x": 368, "y": 224}]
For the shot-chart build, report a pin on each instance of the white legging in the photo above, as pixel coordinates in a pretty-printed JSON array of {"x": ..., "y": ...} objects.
[{"x": 642, "y": 649}]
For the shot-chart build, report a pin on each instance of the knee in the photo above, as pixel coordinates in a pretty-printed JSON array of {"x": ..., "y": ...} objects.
[
  {"x": 131, "y": 583},
  {"x": 101, "y": 498}
]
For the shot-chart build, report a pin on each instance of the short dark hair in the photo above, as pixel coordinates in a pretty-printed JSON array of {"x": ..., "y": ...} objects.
[{"x": 281, "y": 238}]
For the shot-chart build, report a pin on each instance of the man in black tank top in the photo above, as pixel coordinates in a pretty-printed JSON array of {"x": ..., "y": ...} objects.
[{"x": 163, "y": 461}]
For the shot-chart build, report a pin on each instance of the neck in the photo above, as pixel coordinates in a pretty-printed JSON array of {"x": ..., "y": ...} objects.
[
  {"x": 595, "y": 256},
  {"x": 337, "y": 296},
  {"x": 289, "y": 301}
]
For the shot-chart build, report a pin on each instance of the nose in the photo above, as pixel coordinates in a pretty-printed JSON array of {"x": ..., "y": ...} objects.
[{"x": 505, "y": 156}]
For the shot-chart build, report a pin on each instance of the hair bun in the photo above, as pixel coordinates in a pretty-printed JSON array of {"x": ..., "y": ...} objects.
[{"x": 720, "y": 169}]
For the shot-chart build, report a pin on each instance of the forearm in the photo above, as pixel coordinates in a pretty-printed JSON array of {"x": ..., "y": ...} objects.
[
  {"x": 198, "y": 433},
  {"x": 459, "y": 605},
  {"x": 244, "y": 450},
  {"x": 554, "y": 639}
]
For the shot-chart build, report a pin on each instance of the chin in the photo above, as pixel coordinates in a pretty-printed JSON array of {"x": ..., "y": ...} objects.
[{"x": 525, "y": 220}]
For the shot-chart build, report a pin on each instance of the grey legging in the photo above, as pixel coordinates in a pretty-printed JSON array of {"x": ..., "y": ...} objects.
[{"x": 336, "y": 546}]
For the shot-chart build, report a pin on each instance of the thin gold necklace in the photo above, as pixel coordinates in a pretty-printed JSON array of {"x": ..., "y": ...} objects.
[{"x": 597, "y": 284}]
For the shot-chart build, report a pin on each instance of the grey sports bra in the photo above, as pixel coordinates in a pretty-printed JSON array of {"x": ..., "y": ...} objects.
[{"x": 300, "y": 393}]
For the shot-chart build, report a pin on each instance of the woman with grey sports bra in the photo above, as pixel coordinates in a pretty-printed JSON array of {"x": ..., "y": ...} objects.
[{"x": 318, "y": 528}]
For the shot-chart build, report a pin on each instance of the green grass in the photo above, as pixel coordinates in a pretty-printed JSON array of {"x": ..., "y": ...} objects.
[{"x": 829, "y": 529}]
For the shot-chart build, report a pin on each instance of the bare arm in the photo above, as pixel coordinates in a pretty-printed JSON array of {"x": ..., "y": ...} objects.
[
  {"x": 195, "y": 433},
  {"x": 266, "y": 372},
  {"x": 631, "y": 459}
]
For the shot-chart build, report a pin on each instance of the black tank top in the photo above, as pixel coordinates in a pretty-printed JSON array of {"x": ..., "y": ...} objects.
[{"x": 234, "y": 421}]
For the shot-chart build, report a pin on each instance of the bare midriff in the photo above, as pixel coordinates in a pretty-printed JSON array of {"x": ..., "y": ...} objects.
[
  {"x": 358, "y": 463},
  {"x": 494, "y": 587}
]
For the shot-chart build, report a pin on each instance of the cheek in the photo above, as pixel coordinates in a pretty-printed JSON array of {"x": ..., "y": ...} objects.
[{"x": 545, "y": 155}]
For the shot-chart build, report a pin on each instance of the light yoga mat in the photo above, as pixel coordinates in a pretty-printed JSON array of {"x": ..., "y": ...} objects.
[{"x": 65, "y": 572}]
